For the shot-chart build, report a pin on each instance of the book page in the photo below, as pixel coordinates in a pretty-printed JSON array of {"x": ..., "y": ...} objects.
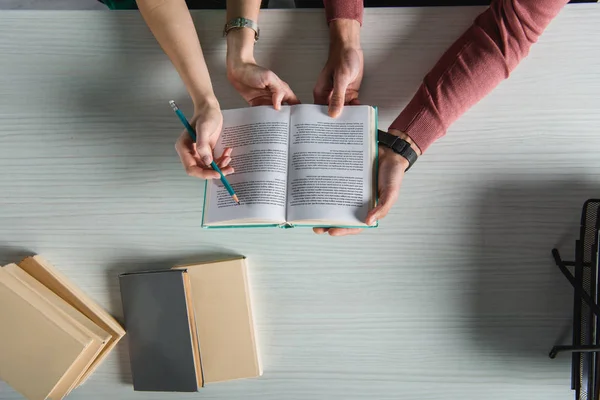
[
  {"x": 259, "y": 138},
  {"x": 330, "y": 165}
]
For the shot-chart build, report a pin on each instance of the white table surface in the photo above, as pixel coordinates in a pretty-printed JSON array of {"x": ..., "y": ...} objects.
[{"x": 455, "y": 296}]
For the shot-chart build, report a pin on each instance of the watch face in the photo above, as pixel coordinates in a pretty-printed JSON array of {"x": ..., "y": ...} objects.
[{"x": 235, "y": 23}]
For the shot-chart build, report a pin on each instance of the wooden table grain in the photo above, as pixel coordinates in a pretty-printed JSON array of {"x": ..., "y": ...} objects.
[{"x": 455, "y": 296}]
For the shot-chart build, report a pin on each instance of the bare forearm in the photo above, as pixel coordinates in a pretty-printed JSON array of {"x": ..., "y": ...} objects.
[
  {"x": 344, "y": 33},
  {"x": 171, "y": 23},
  {"x": 240, "y": 42},
  {"x": 243, "y": 8}
]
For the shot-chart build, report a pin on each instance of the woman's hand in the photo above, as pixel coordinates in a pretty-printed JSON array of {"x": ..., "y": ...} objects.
[
  {"x": 197, "y": 157},
  {"x": 260, "y": 86}
]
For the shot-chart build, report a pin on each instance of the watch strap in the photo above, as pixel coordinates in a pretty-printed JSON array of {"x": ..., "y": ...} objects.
[
  {"x": 241, "y": 22},
  {"x": 398, "y": 145}
]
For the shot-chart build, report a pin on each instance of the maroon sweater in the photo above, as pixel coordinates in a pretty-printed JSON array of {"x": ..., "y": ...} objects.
[{"x": 471, "y": 68}]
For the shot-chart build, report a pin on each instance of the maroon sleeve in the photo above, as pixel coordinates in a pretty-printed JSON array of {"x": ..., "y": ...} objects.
[
  {"x": 344, "y": 9},
  {"x": 474, "y": 65}
]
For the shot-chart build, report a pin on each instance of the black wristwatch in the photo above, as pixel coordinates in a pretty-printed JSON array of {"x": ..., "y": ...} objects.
[{"x": 399, "y": 145}]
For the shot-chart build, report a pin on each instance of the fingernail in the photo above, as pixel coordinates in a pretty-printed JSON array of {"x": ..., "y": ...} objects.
[{"x": 206, "y": 160}]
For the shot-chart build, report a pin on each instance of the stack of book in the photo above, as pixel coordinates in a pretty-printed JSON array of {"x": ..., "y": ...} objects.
[
  {"x": 52, "y": 335},
  {"x": 189, "y": 325}
]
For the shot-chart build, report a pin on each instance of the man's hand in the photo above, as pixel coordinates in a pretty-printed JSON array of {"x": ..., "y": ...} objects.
[
  {"x": 339, "y": 81},
  {"x": 260, "y": 86},
  {"x": 391, "y": 173},
  {"x": 196, "y": 157}
]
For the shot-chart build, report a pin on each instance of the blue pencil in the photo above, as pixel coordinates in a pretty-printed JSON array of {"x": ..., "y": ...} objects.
[{"x": 213, "y": 164}]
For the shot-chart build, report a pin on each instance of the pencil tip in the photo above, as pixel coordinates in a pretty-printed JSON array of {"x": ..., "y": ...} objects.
[{"x": 235, "y": 198}]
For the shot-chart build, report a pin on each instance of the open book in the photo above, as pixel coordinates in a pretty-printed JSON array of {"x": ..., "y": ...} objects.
[{"x": 296, "y": 167}]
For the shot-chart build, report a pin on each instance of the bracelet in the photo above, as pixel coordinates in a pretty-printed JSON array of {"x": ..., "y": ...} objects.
[{"x": 241, "y": 22}]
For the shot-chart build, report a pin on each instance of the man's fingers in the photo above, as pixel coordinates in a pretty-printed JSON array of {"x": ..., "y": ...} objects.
[
  {"x": 337, "y": 231},
  {"x": 354, "y": 102},
  {"x": 344, "y": 231},
  {"x": 338, "y": 95},
  {"x": 386, "y": 201}
]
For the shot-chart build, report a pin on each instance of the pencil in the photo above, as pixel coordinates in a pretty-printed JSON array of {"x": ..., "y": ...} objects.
[{"x": 213, "y": 164}]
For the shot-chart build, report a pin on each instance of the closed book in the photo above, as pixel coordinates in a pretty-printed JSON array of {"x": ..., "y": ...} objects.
[
  {"x": 78, "y": 320},
  {"x": 222, "y": 306},
  {"x": 53, "y": 279},
  {"x": 159, "y": 319},
  {"x": 39, "y": 345}
]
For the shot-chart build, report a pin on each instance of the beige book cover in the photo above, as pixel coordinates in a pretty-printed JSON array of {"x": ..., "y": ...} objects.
[
  {"x": 50, "y": 277},
  {"x": 224, "y": 322},
  {"x": 189, "y": 301},
  {"x": 100, "y": 336},
  {"x": 38, "y": 345}
]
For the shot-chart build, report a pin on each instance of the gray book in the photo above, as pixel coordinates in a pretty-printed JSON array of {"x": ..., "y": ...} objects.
[{"x": 161, "y": 331}]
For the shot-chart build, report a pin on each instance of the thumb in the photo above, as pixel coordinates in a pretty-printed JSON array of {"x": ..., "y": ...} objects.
[
  {"x": 277, "y": 98},
  {"x": 338, "y": 95},
  {"x": 384, "y": 205},
  {"x": 279, "y": 90},
  {"x": 203, "y": 148}
]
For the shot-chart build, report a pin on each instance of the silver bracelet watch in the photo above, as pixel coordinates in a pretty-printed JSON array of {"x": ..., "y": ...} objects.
[{"x": 242, "y": 23}]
